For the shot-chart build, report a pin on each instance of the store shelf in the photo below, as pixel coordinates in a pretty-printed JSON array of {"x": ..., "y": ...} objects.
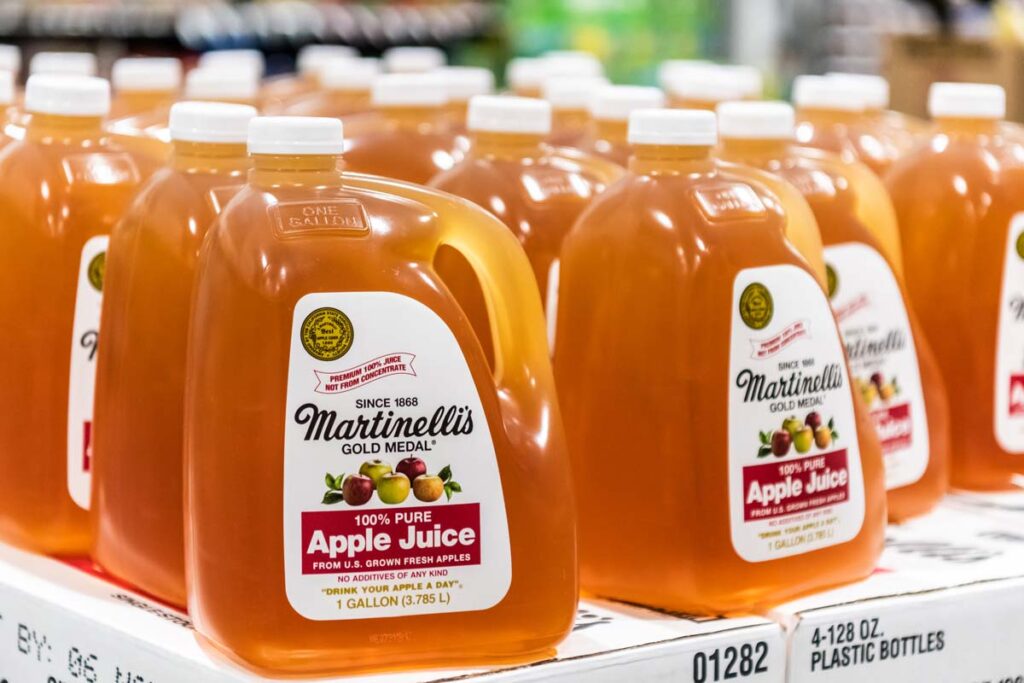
[
  {"x": 60, "y": 624},
  {"x": 946, "y": 604}
]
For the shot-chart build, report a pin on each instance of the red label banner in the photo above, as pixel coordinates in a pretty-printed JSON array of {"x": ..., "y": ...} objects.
[
  {"x": 345, "y": 541},
  {"x": 1016, "y": 394},
  {"x": 894, "y": 427},
  {"x": 793, "y": 486}
]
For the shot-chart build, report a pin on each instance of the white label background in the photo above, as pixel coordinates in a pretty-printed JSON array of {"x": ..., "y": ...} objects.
[
  {"x": 1009, "y": 427},
  {"x": 796, "y": 297},
  {"x": 862, "y": 274},
  {"x": 82, "y": 379},
  {"x": 388, "y": 323}
]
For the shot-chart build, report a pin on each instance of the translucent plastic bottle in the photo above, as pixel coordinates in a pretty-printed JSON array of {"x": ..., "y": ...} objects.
[
  {"x": 136, "y": 510},
  {"x": 463, "y": 83},
  {"x": 66, "y": 63},
  {"x": 311, "y": 60},
  {"x": 367, "y": 410},
  {"x": 888, "y": 354},
  {"x": 609, "y": 111},
  {"x": 960, "y": 203},
  {"x": 345, "y": 86},
  {"x": 707, "y": 86},
  {"x": 143, "y": 84},
  {"x": 408, "y": 135},
  {"x": 681, "y": 299},
  {"x": 536, "y": 190},
  {"x": 413, "y": 59},
  {"x": 832, "y": 116},
  {"x": 64, "y": 188},
  {"x": 569, "y": 97}
]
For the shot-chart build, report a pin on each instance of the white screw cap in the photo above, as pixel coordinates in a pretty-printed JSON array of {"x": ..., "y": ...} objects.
[
  {"x": 967, "y": 101},
  {"x": 10, "y": 58},
  {"x": 414, "y": 59},
  {"x": 349, "y": 74},
  {"x": 572, "y": 92},
  {"x": 221, "y": 83},
  {"x": 298, "y": 135},
  {"x": 465, "y": 82},
  {"x": 715, "y": 83},
  {"x": 572, "y": 63},
  {"x": 756, "y": 121},
  {"x": 821, "y": 92},
  {"x": 312, "y": 58},
  {"x": 66, "y": 95},
  {"x": 6, "y": 88},
  {"x": 211, "y": 122},
  {"x": 689, "y": 127},
  {"x": 150, "y": 74},
  {"x": 526, "y": 73},
  {"x": 252, "y": 60},
  {"x": 524, "y": 115},
  {"x": 874, "y": 90},
  {"x": 72, "y": 63},
  {"x": 670, "y": 67},
  {"x": 617, "y": 102},
  {"x": 409, "y": 90}
]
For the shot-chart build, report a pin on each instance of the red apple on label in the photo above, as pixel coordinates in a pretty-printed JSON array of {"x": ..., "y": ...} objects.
[
  {"x": 357, "y": 489},
  {"x": 813, "y": 419},
  {"x": 878, "y": 380},
  {"x": 781, "y": 441},
  {"x": 411, "y": 467}
]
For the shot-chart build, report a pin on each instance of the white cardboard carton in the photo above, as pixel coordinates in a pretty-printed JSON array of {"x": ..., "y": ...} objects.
[
  {"x": 59, "y": 624},
  {"x": 946, "y": 604}
]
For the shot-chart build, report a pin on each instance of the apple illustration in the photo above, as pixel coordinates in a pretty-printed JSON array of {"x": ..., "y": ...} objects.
[
  {"x": 813, "y": 419},
  {"x": 357, "y": 489},
  {"x": 411, "y": 467},
  {"x": 870, "y": 393},
  {"x": 886, "y": 391},
  {"x": 375, "y": 469},
  {"x": 823, "y": 436},
  {"x": 781, "y": 441},
  {"x": 791, "y": 425},
  {"x": 878, "y": 380},
  {"x": 393, "y": 488},
  {"x": 803, "y": 439},
  {"x": 427, "y": 487}
]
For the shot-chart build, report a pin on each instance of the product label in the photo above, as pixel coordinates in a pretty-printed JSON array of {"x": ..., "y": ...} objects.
[
  {"x": 393, "y": 503},
  {"x": 795, "y": 482},
  {"x": 1009, "y": 406},
  {"x": 85, "y": 332},
  {"x": 882, "y": 353}
]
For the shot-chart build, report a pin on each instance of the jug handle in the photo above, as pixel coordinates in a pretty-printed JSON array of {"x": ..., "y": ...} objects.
[{"x": 521, "y": 361}]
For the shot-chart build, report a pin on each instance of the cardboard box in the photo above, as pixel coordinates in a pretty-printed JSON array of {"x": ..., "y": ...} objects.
[
  {"x": 946, "y": 604},
  {"x": 913, "y": 62},
  {"x": 59, "y": 624}
]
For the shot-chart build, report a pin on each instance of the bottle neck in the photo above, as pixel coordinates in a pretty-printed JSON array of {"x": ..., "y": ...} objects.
[
  {"x": 827, "y": 116},
  {"x": 968, "y": 126},
  {"x": 140, "y": 100},
  {"x": 506, "y": 145},
  {"x": 296, "y": 170},
  {"x": 209, "y": 157},
  {"x": 69, "y": 129},
  {"x": 763, "y": 148},
  {"x": 676, "y": 159},
  {"x": 411, "y": 117},
  {"x": 613, "y": 131}
]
